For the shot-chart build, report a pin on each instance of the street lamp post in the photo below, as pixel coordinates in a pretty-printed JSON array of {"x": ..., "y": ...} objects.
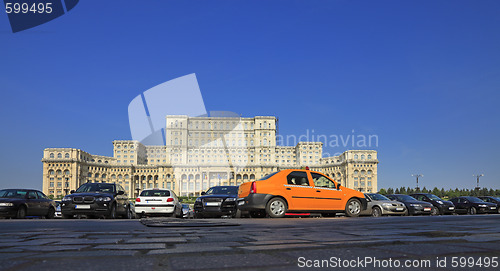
[
  {"x": 417, "y": 176},
  {"x": 477, "y": 178}
]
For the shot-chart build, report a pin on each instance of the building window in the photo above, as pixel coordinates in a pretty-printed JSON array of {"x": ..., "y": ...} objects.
[{"x": 59, "y": 155}]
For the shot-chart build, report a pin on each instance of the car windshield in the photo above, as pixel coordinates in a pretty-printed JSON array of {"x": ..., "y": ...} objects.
[
  {"x": 12, "y": 193},
  {"x": 155, "y": 193},
  {"x": 495, "y": 198},
  {"x": 377, "y": 197},
  {"x": 96, "y": 187},
  {"x": 434, "y": 197},
  {"x": 223, "y": 190},
  {"x": 474, "y": 199},
  {"x": 267, "y": 176},
  {"x": 405, "y": 198}
]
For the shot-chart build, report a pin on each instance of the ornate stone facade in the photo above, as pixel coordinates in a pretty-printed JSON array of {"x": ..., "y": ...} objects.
[{"x": 201, "y": 152}]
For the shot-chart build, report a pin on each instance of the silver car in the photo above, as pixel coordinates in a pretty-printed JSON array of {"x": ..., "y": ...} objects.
[{"x": 379, "y": 205}]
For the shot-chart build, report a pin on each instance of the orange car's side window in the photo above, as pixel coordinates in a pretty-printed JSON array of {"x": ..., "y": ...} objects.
[
  {"x": 322, "y": 181},
  {"x": 297, "y": 178}
]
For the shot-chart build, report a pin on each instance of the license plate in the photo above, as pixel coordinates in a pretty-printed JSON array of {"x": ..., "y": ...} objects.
[
  {"x": 82, "y": 206},
  {"x": 400, "y": 209},
  {"x": 427, "y": 209},
  {"x": 452, "y": 208},
  {"x": 493, "y": 208},
  {"x": 212, "y": 204}
]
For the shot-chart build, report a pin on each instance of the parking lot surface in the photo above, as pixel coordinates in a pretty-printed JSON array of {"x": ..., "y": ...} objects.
[{"x": 250, "y": 244}]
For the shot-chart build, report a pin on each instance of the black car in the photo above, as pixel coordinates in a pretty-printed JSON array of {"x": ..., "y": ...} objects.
[
  {"x": 217, "y": 201},
  {"x": 491, "y": 199},
  {"x": 20, "y": 203},
  {"x": 413, "y": 206},
  {"x": 441, "y": 207},
  {"x": 97, "y": 200},
  {"x": 473, "y": 205}
]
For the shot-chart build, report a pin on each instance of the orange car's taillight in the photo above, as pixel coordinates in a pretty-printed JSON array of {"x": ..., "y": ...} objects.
[{"x": 253, "y": 188}]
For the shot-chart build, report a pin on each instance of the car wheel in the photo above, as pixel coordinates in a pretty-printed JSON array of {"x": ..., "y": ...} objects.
[
  {"x": 498, "y": 209},
  {"x": 376, "y": 211},
  {"x": 435, "y": 211},
  {"x": 51, "y": 214},
  {"x": 257, "y": 214},
  {"x": 21, "y": 212},
  {"x": 174, "y": 213},
  {"x": 128, "y": 214},
  {"x": 112, "y": 212},
  {"x": 276, "y": 208},
  {"x": 353, "y": 208},
  {"x": 472, "y": 211},
  {"x": 237, "y": 214}
]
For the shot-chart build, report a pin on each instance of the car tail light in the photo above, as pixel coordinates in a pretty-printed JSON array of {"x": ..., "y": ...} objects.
[
  {"x": 170, "y": 199},
  {"x": 138, "y": 200},
  {"x": 253, "y": 188}
]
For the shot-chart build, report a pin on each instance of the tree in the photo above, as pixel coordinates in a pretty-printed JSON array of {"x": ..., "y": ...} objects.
[
  {"x": 382, "y": 191},
  {"x": 436, "y": 192},
  {"x": 391, "y": 191}
]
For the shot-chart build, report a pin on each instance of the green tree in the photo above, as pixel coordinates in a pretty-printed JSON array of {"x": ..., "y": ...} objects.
[
  {"x": 390, "y": 191},
  {"x": 382, "y": 191}
]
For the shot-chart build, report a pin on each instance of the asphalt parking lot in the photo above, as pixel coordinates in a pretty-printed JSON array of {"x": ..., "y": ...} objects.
[{"x": 428, "y": 243}]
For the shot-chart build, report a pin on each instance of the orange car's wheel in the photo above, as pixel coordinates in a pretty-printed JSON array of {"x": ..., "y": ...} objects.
[
  {"x": 353, "y": 208},
  {"x": 276, "y": 208}
]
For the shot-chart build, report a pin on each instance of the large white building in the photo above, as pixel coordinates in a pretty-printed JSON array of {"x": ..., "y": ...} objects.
[{"x": 201, "y": 152}]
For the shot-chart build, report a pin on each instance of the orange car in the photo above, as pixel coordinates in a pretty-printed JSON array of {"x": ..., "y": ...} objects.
[{"x": 297, "y": 191}]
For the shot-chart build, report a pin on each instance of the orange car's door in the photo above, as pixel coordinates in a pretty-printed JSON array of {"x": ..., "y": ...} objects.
[
  {"x": 300, "y": 192},
  {"x": 327, "y": 195}
]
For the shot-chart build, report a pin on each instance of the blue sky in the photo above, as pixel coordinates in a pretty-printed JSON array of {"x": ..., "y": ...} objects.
[{"x": 421, "y": 75}]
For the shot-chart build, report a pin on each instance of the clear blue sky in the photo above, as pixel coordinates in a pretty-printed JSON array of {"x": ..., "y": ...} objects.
[{"x": 424, "y": 76}]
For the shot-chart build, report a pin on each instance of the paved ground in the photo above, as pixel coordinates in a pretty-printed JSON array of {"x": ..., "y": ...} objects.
[{"x": 250, "y": 244}]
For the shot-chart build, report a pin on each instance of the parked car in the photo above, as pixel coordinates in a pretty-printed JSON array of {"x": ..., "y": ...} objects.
[
  {"x": 107, "y": 200},
  {"x": 298, "y": 191},
  {"x": 441, "y": 207},
  {"x": 159, "y": 202},
  {"x": 187, "y": 211},
  {"x": 58, "y": 210},
  {"x": 494, "y": 200},
  {"x": 414, "y": 206},
  {"x": 19, "y": 203},
  {"x": 379, "y": 205},
  {"x": 473, "y": 205},
  {"x": 217, "y": 201}
]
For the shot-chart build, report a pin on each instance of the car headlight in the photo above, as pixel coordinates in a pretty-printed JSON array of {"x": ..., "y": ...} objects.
[
  {"x": 415, "y": 205},
  {"x": 6, "y": 204},
  {"x": 66, "y": 198},
  {"x": 482, "y": 205},
  {"x": 440, "y": 202},
  {"x": 230, "y": 199},
  {"x": 103, "y": 199},
  {"x": 387, "y": 204}
]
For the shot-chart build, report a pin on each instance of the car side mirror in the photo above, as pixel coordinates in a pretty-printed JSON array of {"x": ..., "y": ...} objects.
[
  {"x": 338, "y": 186},
  {"x": 72, "y": 191},
  {"x": 203, "y": 193},
  {"x": 120, "y": 192}
]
